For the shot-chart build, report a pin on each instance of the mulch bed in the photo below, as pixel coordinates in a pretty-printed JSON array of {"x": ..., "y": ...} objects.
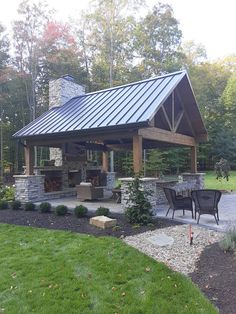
[
  {"x": 216, "y": 270},
  {"x": 71, "y": 223},
  {"x": 216, "y": 277}
]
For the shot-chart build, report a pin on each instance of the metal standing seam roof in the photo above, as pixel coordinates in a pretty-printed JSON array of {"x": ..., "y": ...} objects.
[{"x": 117, "y": 106}]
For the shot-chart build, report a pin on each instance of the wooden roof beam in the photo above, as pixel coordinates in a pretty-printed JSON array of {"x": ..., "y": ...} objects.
[
  {"x": 58, "y": 141},
  {"x": 166, "y": 136}
]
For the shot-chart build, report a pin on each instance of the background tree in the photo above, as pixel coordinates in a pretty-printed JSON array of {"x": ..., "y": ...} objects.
[
  {"x": 158, "y": 40},
  {"x": 209, "y": 81},
  {"x": 4, "y": 48},
  {"x": 106, "y": 36},
  {"x": 194, "y": 54},
  {"x": 27, "y": 33}
]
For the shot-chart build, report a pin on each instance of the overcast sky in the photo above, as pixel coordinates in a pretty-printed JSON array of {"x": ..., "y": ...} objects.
[{"x": 209, "y": 22}]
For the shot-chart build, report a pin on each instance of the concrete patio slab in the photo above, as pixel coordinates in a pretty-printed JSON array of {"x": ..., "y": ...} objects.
[
  {"x": 227, "y": 214},
  {"x": 227, "y": 210},
  {"x": 72, "y": 202}
]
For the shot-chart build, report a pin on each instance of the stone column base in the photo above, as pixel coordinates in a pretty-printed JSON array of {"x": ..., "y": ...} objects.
[
  {"x": 147, "y": 184},
  {"x": 29, "y": 188}
]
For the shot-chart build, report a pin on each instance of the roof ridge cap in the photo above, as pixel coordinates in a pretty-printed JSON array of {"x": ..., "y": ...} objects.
[{"x": 133, "y": 83}]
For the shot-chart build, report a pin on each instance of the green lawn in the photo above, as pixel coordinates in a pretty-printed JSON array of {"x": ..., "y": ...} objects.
[
  {"x": 44, "y": 271},
  {"x": 212, "y": 183}
]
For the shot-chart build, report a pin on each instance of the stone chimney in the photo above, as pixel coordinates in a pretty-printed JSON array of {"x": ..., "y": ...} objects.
[{"x": 61, "y": 91}]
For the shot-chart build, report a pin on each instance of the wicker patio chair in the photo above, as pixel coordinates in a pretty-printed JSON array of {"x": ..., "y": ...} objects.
[
  {"x": 206, "y": 202},
  {"x": 177, "y": 202}
]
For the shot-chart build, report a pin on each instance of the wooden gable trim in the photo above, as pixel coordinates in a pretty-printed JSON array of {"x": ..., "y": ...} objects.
[{"x": 166, "y": 136}]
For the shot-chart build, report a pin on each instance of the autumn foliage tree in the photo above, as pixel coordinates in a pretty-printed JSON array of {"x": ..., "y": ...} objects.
[{"x": 60, "y": 56}]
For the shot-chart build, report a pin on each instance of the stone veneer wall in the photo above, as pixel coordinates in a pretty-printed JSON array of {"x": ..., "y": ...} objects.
[
  {"x": 147, "y": 184},
  {"x": 191, "y": 181},
  {"x": 111, "y": 179},
  {"x": 29, "y": 188},
  {"x": 72, "y": 165},
  {"x": 195, "y": 178},
  {"x": 160, "y": 195}
]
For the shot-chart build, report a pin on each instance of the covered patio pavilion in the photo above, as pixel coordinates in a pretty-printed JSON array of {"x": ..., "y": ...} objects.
[{"x": 158, "y": 112}]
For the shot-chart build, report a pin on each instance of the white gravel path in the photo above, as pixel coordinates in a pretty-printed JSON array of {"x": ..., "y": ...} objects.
[{"x": 179, "y": 256}]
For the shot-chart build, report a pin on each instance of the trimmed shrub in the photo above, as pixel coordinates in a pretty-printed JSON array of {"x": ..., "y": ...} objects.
[
  {"x": 3, "y": 205},
  {"x": 102, "y": 211},
  {"x": 16, "y": 205},
  {"x": 80, "y": 211},
  {"x": 61, "y": 210},
  {"x": 45, "y": 207},
  {"x": 30, "y": 206}
]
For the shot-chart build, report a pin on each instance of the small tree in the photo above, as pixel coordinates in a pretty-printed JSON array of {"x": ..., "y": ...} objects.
[{"x": 139, "y": 207}]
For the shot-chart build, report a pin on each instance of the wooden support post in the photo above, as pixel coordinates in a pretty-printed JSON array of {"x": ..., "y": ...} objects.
[
  {"x": 194, "y": 159},
  {"x": 105, "y": 162},
  {"x": 137, "y": 153},
  {"x": 29, "y": 160}
]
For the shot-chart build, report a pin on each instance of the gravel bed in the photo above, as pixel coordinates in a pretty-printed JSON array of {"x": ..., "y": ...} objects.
[{"x": 180, "y": 256}]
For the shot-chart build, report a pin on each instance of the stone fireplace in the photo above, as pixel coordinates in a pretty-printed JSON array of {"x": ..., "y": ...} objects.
[{"x": 68, "y": 165}]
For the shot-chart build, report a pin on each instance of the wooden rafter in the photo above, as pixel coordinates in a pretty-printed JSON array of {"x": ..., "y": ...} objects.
[
  {"x": 173, "y": 110},
  {"x": 167, "y": 118},
  {"x": 174, "y": 122},
  {"x": 185, "y": 114},
  {"x": 177, "y": 120}
]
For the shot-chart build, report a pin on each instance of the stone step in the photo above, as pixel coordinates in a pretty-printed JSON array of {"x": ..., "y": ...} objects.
[{"x": 103, "y": 222}]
